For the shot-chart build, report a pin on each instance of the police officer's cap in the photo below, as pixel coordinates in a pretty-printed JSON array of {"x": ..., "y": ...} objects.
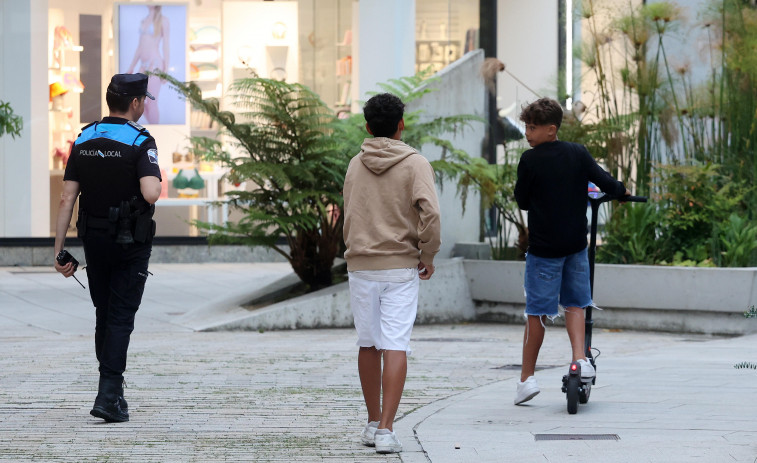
[{"x": 129, "y": 85}]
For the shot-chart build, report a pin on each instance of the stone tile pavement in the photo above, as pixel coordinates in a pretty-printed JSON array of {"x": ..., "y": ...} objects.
[{"x": 294, "y": 395}]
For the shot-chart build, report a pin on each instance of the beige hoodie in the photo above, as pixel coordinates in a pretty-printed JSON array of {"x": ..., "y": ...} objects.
[{"x": 391, "y": 212}]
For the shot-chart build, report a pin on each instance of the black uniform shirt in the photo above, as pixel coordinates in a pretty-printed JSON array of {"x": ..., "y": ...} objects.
[
  {"x": 108, "y": 159},
  {"x": 552, "y": 185}
]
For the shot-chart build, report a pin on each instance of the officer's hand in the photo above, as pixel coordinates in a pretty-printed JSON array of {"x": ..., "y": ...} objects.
[
  {"x": 66, "y": 270},
  {"x": 425, "y": 270}
]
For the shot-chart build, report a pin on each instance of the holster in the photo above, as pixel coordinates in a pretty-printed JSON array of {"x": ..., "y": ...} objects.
[
  {"x": 114, "y": 213},
  {"x": 144, "y": 226}
]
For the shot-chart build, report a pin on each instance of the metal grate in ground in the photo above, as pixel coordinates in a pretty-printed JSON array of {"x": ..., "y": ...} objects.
[{"x": 539, "y": 437}]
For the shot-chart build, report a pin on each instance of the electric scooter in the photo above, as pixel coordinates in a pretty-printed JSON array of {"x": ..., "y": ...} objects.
[{"x": 576, "y": 389}]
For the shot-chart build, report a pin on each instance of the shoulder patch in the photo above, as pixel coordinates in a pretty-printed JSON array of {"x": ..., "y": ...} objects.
[
  {"x": 152, "y": 155},
  {"x": 136, "y": 126}
]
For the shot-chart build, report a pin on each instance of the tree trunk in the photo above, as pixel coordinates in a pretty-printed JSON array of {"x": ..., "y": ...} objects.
[{"x": 313, "y": 253}]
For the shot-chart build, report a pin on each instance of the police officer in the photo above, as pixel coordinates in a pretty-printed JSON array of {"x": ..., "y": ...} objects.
[{"x": 113, "y": 168}]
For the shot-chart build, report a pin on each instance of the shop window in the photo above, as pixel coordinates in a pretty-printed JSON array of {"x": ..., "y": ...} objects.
[
  {"x": 445, "y": 31},
  {"x": 326, "y": 50},
  {"x": 305, "y": 41}
]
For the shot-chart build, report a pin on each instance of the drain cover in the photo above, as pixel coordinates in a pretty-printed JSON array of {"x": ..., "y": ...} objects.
[{"x": 576, "y": 437}]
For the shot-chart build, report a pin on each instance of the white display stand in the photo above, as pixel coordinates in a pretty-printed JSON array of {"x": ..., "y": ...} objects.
[
  {"x": 262, "y": 36},
  {"x": 212, "y": 195}
]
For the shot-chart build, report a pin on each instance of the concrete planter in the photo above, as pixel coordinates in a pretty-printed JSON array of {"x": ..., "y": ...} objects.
[
  {"x": 680, "y": 299},
  {"x": 445, "y": 298}
]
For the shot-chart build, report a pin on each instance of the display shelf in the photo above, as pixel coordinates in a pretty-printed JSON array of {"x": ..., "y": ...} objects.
[
  {"x": 436, "y": 54},
  {"x": 343, "y": 73},
  {"x": 204, "y": 55},
  {"x": 63, "y": 81}
]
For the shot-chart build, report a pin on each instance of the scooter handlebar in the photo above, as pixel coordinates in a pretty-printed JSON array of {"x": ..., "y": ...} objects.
[
  {"x": 598, "y": 197},
  {"x": 632, "y": 199}
]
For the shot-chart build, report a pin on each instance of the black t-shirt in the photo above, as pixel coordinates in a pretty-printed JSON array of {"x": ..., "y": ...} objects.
[
  {"x": 108, "y": 159},
  {"x": 552, "y": 186}
]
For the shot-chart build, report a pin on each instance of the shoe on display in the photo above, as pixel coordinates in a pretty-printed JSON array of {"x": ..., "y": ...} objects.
[
  {"x": 587, "y": 370},
  {"x": 526, "y": 390},
  {"x": 386, "y": 442},
  {"x": 368, "y": 433}
]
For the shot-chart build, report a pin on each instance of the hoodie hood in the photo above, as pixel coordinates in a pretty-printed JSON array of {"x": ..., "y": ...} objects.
[{"x": 381, "y": 154}]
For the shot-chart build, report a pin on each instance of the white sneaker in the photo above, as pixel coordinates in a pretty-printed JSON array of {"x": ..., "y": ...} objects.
[
  {"x": 386, "y": 441},
  {"x": 587, "y": 370},
  {"x": 526, "y": 390},
  {"x": 368, "y": 433}
]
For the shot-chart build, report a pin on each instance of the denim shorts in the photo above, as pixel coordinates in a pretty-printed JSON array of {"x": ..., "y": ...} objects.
[{"x": 548, "y": 279}]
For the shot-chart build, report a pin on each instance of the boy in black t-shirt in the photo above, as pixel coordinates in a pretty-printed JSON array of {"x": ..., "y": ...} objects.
[{"x": 552, "y": 186}]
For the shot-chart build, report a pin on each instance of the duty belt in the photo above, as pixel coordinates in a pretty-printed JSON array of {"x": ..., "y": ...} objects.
[{"x": 101, "y": 223}]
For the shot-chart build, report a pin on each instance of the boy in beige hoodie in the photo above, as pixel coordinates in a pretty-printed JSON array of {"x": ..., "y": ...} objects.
[{"x": 392, "y": 232}]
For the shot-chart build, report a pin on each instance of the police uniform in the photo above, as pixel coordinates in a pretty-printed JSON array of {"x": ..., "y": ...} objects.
[{"x": 116, "y": 228}]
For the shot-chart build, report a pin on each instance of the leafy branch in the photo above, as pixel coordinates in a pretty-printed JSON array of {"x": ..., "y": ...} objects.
[{"x": 10, "y": 123}]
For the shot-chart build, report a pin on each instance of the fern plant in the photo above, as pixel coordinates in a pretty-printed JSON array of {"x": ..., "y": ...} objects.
[
  {"x": 496, "y": 184},
  {"x": 278, "y": 140},
  {"x": 420, "y": 128},
  {"x": 424, "y": 129},
  {"x": 294, "y": 151}
]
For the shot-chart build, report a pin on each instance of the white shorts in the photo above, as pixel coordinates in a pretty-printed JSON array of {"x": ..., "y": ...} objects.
[{"x": 384, "y": 304}]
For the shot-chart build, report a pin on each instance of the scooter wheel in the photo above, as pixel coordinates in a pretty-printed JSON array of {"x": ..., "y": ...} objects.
[
  {"x": 572, "y": 394},
  {"x": 584, "y": 393}
]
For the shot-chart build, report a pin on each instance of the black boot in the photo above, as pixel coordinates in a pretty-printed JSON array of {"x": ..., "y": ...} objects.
[
  {"x": 121, "y": 400},
  {"x": 108, "y": 401}
]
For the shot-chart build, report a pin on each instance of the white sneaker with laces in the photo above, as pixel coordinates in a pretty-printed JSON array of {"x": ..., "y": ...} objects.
[
  {"x": 386, "y": 442},
  {"x": 368, "y": 433},
  {"x": 526, "y": 390},
  {"x": 587, "y": 370}
]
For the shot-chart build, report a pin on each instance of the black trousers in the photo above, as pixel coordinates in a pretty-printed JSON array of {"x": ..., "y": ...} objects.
[{"x": 117, "y": 276}]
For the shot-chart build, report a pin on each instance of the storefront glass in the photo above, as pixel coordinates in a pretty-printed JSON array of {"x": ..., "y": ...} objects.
[
  {"x": 212, "y": 43},
  {"x": 445, "y": 30}
]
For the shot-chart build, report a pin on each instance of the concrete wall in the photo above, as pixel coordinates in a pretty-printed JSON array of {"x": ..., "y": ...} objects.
[
  {"x": 681, "y": 299},
  {"x": 459, "y": 90},
  {"x": 445, "y": 298}
]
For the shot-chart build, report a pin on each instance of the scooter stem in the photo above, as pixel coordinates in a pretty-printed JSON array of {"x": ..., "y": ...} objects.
[{"x": 595, "y": 202}]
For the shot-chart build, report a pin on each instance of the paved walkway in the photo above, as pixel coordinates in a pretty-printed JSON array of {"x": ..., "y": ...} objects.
[{"x": 295, "y": 396}]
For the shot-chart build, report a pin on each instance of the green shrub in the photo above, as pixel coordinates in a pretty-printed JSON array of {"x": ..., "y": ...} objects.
[
  {"x": 695, "y": 200},
  {"x": 699, "y": 219},
  {"x": 739, "y": 240},
  {"x": 630, "y": 235}
]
